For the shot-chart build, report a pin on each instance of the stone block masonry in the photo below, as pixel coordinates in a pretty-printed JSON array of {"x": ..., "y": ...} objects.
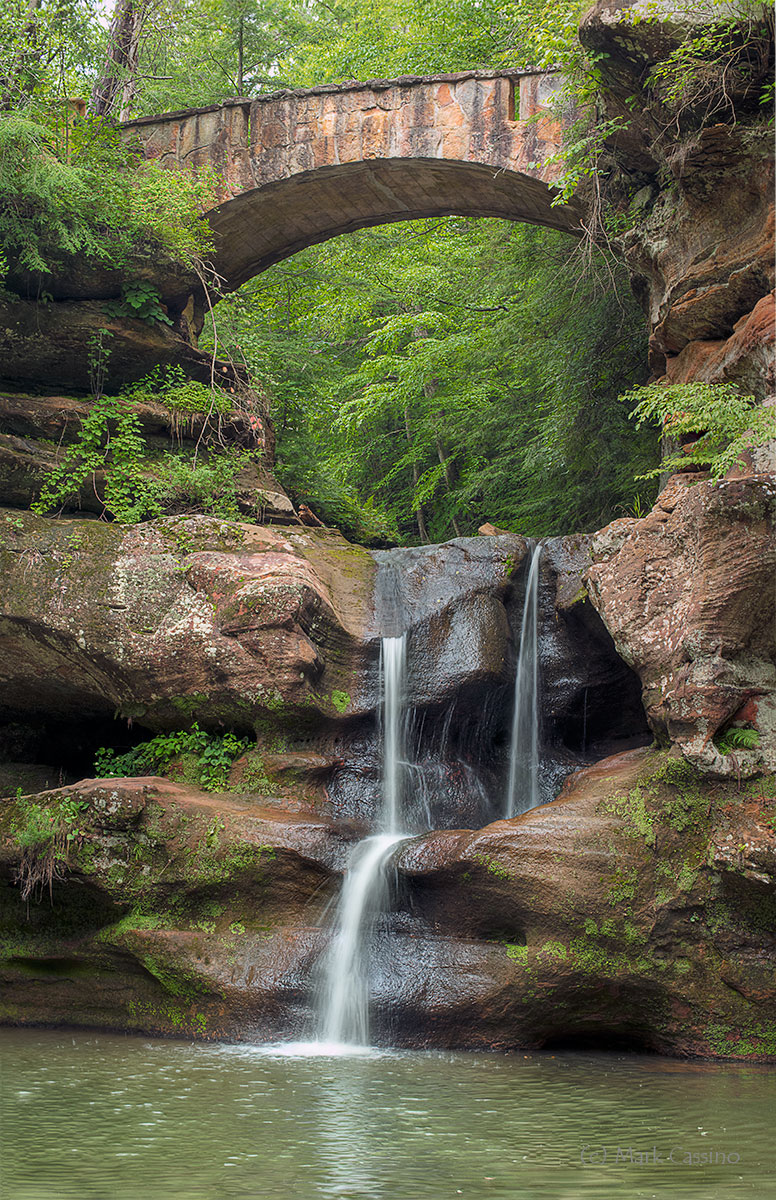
[{"x": 298, "y": 167}]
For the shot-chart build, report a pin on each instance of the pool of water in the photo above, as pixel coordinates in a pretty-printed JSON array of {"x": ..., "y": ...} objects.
[{"x": 102, "y": 1117}]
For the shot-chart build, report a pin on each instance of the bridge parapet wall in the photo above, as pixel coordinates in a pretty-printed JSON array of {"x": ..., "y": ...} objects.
[{"x": 494, "y": 119}]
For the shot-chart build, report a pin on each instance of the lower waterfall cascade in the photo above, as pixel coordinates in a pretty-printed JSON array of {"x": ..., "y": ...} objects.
[
  {"x": 343, "y": 1003},
  {"x": 344, "y": 1008}
]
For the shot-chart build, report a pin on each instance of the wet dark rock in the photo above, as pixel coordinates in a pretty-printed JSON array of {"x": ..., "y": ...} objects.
[
  {"x": 635, "y": 911},
  {"x": 600, "y": 916}
]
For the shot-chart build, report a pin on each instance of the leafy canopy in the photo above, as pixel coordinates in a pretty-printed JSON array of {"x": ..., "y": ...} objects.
[{"x": 469, "y": 369}]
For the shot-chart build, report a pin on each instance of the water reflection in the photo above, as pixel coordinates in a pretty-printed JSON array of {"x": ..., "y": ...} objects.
[{"x": 110, "y": 1118}]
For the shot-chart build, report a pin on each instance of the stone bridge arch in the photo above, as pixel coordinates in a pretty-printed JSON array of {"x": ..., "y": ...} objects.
[{"x": 299, "y": 167}]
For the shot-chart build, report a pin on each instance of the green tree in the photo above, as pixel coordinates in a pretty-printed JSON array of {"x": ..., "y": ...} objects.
[{"x": 443, "y": 373}]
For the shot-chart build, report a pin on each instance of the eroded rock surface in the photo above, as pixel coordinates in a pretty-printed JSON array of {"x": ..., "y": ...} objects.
[
  {"x": 697, "y": 183},
  {"x": 689, "y": 595},
  {"x": 179, "y": 618},
  {"x": 636, "y": 911},
  {"x": 181, "y": 912}
]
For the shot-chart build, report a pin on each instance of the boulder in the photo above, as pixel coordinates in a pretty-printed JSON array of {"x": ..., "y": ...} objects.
[
  {"x": 180, "y": 619},
  {"x": 689, "y": 596}
]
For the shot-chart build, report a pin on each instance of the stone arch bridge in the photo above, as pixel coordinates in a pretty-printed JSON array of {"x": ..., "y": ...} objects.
[{"x": 298, "y": 167}]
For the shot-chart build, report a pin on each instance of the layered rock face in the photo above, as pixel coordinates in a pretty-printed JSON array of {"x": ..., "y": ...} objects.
[
  {"x": 696, "y": 175},
  {"x": 37, "y": 431},
  {"x": 619, "y": 915},
  {"x": 261, "y": 629},
  {"x": 636, "y": 911},
  {"x": 689, "y": 595},
  {"x": 243, "y": 627},
  {"x": 50, "y": 342}
]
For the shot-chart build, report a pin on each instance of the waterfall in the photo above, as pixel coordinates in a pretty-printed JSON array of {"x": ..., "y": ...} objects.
[
  {"x": 344, "y": 1006},
  {"x": 523, "y": 787},
  {"x": 393, "y": 664},
  {"x": 364, "y": 895}
]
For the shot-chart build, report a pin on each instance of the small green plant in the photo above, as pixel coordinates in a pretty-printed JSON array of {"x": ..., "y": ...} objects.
[
  {"x": 737, "y": 738},
  {"x": 213, "y": 833},
  {"x": 97, "y": 354},
  {"x": 699, "y": 74},
  {"x": 206, "y": 758},
  {"x": 169, "y": 386},
  {"x": 727, "y": 423},
  {"x": 139, "y": 299},
  {"x": 208, "y": 484},
  {"x": 111, "y": 441},
  {"x": 492, "y": 866},
  {"x": 254, "y": 776},
  {"x": 111, "y": 445},
  {"x": 637, "y": 508},
  {"x": 46, "y": 834}
]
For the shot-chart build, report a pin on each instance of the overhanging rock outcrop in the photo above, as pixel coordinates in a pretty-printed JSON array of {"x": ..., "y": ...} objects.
[{"x": 690, "y": 170}]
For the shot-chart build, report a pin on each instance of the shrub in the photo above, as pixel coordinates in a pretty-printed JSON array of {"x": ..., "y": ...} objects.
[{"x": 206, "y": 757}]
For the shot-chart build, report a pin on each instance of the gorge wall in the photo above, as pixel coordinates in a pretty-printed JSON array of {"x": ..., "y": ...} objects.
[
  {"x": 690, "y": 173},
  {"x": 634, "y": 909}
]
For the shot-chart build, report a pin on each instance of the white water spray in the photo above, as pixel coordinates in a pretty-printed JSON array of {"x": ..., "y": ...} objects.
[
  {"x": 344, "y": 1009},
  {"x": 523, "y": 786}
]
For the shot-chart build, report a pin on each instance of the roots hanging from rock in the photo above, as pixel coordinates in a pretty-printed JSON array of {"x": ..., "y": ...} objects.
[{"x": 37, "y": 871}]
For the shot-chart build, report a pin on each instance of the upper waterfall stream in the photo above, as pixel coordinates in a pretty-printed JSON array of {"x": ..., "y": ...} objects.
[{"x": 523, "y": 785}]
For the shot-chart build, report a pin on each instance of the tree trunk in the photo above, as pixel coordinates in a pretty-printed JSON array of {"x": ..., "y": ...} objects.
[
  {"x": 430, "y": 390},
  {"x": 240, "y": 53},
  {"x": 419, "y": 515},
  {"x": 444, "y": 459},
  {"x": 116, "y": 84}
]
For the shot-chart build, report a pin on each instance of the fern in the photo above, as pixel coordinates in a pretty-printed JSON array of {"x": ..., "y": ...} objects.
[
  {"x": 89, "y": 197},
  {"x": 736, "y": 738},
  {"x": 728, "y": 423}
]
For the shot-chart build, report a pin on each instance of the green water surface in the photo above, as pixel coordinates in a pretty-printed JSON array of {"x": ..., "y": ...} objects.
[{"x": 102, "y": 1117}]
